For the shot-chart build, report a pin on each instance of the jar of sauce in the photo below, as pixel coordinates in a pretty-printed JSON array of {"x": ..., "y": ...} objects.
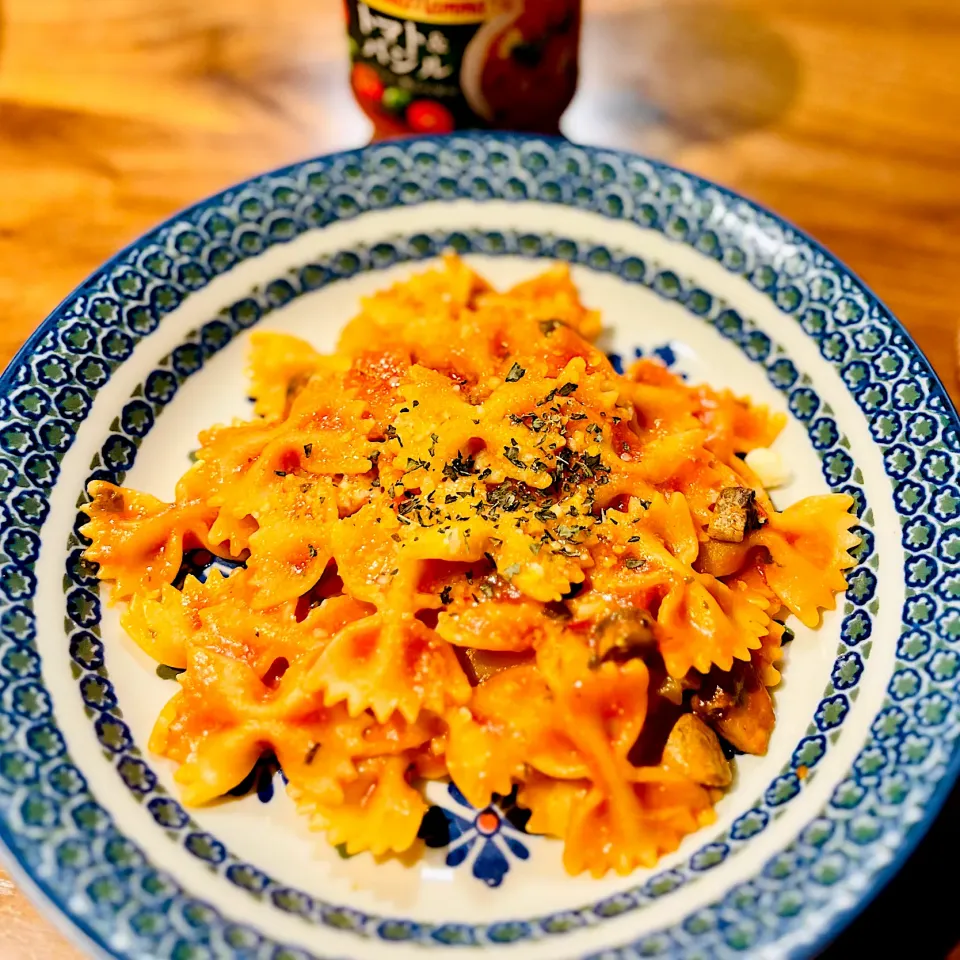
[{"x": 434, "y": 66}]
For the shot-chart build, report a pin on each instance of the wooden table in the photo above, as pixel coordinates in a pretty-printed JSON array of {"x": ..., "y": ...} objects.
[{"x": 842, "y": 114}]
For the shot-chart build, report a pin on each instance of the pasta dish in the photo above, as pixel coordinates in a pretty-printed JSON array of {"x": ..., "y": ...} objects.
[{"x": 467, "y": 547}]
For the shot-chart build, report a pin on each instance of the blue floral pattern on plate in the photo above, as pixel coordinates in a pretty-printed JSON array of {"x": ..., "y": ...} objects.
[{"x": 492, "y": 834}]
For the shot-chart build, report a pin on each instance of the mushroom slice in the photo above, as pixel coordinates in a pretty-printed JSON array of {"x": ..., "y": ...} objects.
[
  {"x": 735, "y": 514},
  {"x": 693, "y": 749},
  {"x": 740, "y": 709},
  {"x": 624, "y": 635}
]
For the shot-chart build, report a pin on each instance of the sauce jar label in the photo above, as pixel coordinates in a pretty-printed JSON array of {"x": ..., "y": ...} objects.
[{"x": 433, "y": 66}]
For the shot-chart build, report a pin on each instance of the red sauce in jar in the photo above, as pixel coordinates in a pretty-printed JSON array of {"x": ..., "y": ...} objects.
[{"x": 434, "y": 66}]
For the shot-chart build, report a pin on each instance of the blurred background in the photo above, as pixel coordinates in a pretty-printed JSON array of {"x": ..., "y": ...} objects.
[{"x": 842, "y": 115}]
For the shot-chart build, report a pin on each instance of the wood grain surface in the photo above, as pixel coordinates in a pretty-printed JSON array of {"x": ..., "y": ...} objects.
[{"x": 843, "y": 115}]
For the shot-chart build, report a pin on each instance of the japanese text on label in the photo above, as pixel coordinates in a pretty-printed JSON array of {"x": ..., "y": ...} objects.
[{"x": 397, "y": 45}]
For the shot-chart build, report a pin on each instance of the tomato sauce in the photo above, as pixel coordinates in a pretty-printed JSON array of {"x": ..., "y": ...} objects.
[{"x": 434, "y": 66}]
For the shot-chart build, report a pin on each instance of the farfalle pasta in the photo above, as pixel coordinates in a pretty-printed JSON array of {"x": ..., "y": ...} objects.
[{"x": 465, "y": 547}]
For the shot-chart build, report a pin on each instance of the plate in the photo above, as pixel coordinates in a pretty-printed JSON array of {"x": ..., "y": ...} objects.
[{"x": 119, "y": 380}]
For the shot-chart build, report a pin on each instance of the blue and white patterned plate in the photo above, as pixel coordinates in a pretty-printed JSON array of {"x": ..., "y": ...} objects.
[{"x": 118, "y": 381}]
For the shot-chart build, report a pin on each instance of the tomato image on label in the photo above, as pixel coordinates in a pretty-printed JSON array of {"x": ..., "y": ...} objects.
[
  {"x": 428, "y": 116},
  {"x": 366, "y": 82},
  {"x": 520, "y": 70}
]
